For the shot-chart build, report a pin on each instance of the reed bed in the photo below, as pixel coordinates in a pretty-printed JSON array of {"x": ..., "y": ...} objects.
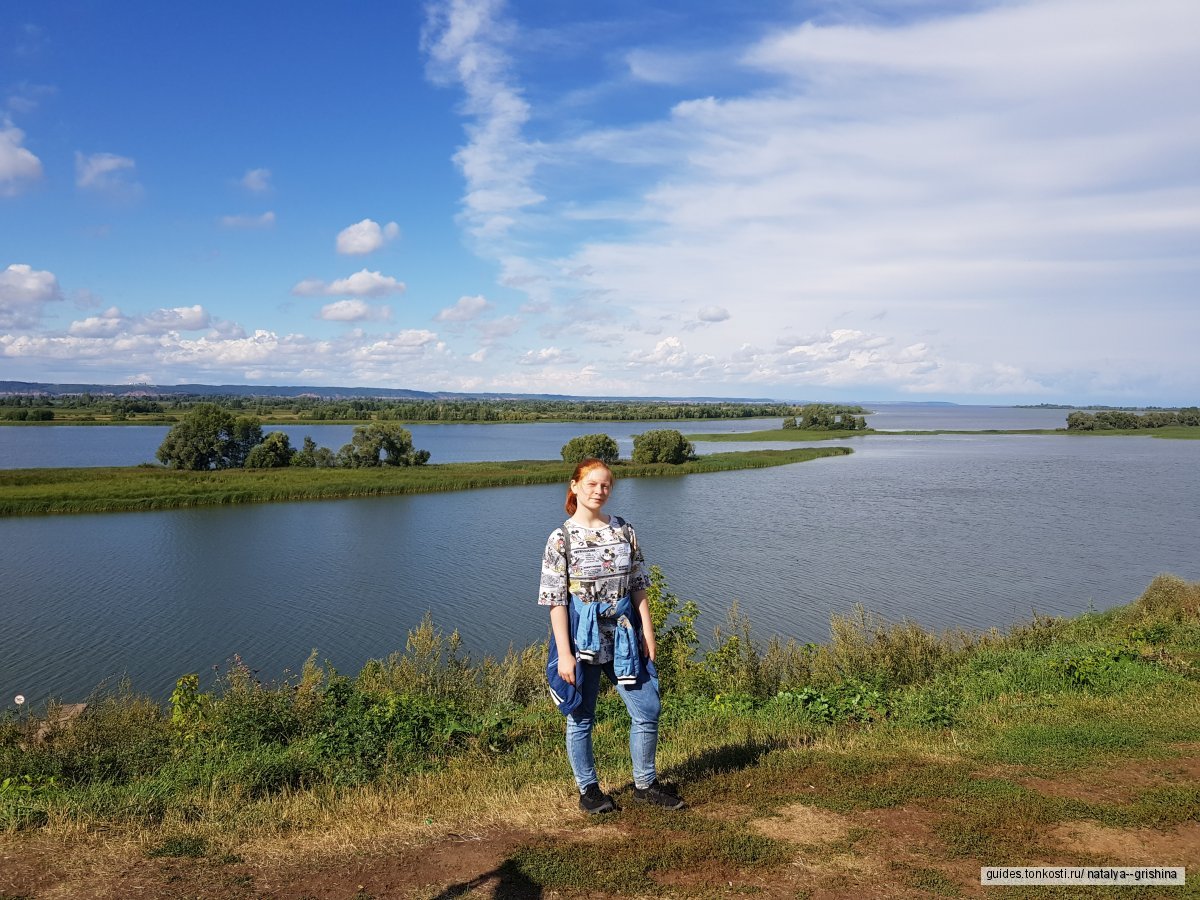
[{"x": 127, "y": 489}]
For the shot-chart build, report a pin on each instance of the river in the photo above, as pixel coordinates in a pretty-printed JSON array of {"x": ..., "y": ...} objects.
[{"x": 950, "y": 530}]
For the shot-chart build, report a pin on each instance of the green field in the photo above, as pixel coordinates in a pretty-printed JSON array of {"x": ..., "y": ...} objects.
[{"x": 125, "y": 489}]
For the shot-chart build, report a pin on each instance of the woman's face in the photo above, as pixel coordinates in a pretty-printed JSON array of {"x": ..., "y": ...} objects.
[{"x": 592, "y": 490}]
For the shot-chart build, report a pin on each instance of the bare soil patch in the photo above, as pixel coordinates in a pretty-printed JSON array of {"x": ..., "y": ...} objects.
[{"x": 1176, "y": 846}]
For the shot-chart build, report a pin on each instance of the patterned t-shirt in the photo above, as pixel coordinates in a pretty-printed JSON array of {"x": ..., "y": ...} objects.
[{"x": 606, "y": 565}]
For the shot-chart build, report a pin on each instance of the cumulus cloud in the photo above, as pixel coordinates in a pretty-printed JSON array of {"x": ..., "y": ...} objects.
[
  {"x": 365, "y": 237},
  {"x": 18, "y": 166},
  {"x": 24, "y": 291},
  {"x": 361, "y": 284},
  {"x": 107, "y": 173},
  {"x": 353, "y": 311},
  {"x": 180, "y": 318},
  {"x": 107, "y": 324},
  {"x": 1025, "y": 213},
  {"x": 712, "y": 314},
  {"x": 546, "y": 356},
  {"x": 263, "y": 220},
  {"x": 466, "y": 309},
  {"x": 257, "y": 181},
  {"x": 399, "y": 359}
]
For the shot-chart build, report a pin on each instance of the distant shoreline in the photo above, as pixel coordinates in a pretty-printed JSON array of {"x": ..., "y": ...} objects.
[{"x": 797, "y": 435}]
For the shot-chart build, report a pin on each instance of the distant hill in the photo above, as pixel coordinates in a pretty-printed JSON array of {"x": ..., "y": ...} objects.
[{"x": 26, "y": 388}]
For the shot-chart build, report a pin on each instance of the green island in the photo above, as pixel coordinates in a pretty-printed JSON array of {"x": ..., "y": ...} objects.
[
  {"x": 132, "y": 488},
  {"x": 887, "y": 759}
]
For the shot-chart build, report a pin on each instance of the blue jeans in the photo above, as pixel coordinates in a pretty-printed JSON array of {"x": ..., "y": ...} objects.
[{"x": 643, "y": 703}]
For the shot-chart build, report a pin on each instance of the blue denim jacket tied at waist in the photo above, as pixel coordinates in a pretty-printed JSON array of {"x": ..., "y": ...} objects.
[{"x": 584, "y": 631}]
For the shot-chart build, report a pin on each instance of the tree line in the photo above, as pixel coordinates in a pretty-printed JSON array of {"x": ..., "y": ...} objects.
[
  {"x": 404, "y": 410},
  {"x": 210, "y": 437},
  {"x": 1113, "y": 419},
  {"x": 827, "y": 417}
]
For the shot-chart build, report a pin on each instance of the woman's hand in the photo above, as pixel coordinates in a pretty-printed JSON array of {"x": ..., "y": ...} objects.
[
  {"x": 566, "y": 667},
  {"x": 649, "y": 645}
]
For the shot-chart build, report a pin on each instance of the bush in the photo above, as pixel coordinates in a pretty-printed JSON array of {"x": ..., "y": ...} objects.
[
  {"x": 381, "y": 444},
  {"x": 591, "y": 446},
  {"x": 274, "y": 452},
  {"x": 662, "y": 446}
]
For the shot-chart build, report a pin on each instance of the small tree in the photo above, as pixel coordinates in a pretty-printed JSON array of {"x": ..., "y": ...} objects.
[
  {"x": 662, "y": 446},
  {"x": 274, "y": 452},
  {"x": 789, "y": 422},
  {"x": 593, "y": 446},
  {"x": 209, "y": 437},
  {"x": 381, "y": 444}
]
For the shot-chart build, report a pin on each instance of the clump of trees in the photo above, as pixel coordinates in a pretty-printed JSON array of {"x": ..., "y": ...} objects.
[
  {"x": 211, "y": 437},
  {"x": 664, "y": 445},
  {"x": 381, "y": 444},
  {"x": 590, "y": 446},
  {"x": 1114, "y": 419},
  {"x": 826, "y": 417},
  {"x": 27, "y": 415}
]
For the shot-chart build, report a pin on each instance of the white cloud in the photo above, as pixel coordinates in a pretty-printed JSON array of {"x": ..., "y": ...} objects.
[
  {"x": 361, "y": 284},
  {"x": 1017, "y": 178},
  {"x": 466, "y": 309},
  {"x": 365, "y": 237},
  {"x": 107, "y": 173},
  {"x": 108, "y": 324},
  {"x": 546, "y": 356},
  {"x": 24, "y": 290},
  {"x": 18, "y": 166},
  {"x": 257, "y": 181},
  {"x": 712, "y": 314},
  {"x": 180, "y": 318},
  {"x": 401, "y": 359},
  {"x": 466, "y": 45},
  {"x": 353, "y": 311},
  {"x": 309, "y": 287},
  {"x": 264, "y": 220},
  {"x": 367, "y": 284}
]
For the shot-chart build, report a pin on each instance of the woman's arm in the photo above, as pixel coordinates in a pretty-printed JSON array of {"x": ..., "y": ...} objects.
[
  {"x": 642, "y": 602},
  {"x": 560, "y": 624}
]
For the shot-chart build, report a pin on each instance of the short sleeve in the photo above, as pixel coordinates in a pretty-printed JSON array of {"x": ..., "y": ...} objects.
[{"x": 553, "y": 590}]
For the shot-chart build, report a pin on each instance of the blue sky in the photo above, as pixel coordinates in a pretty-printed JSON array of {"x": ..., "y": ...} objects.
[{"x": 974, "y": 201}]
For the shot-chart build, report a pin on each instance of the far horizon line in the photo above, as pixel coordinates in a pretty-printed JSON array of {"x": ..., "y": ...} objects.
[{"x": 337, "y": 392}]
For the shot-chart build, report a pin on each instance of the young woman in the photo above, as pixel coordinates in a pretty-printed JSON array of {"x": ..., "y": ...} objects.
[{"x": 594, "y": 580}]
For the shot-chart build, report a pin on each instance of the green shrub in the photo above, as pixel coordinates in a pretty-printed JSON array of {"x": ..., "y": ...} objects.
[
  {"x": 590, "y": 446},
  {"x": 662, "y": 446}
]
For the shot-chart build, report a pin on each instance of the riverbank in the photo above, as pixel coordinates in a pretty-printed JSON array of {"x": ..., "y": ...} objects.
[
  {"x": 889, "y": 761},
  {"x": 134, "y": 488},
  {"x": 796, "y": 435}
]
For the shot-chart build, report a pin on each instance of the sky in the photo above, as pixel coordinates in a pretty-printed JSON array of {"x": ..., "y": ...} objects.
[{"x": 978, "y": 201}]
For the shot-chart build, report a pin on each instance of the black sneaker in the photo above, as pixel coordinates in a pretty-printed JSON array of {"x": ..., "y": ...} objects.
[
  {"x": 594, "y": 801},
  {"x": 660, "y": 795}
]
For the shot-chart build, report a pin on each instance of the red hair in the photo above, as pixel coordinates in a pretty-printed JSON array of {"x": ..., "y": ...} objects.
[{"x": 580, "y": 473}]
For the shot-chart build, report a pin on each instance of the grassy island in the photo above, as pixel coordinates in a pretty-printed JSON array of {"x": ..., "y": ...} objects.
[
  {"x": 888, "y": 761},
  {"x": 125, "y": 489}
]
